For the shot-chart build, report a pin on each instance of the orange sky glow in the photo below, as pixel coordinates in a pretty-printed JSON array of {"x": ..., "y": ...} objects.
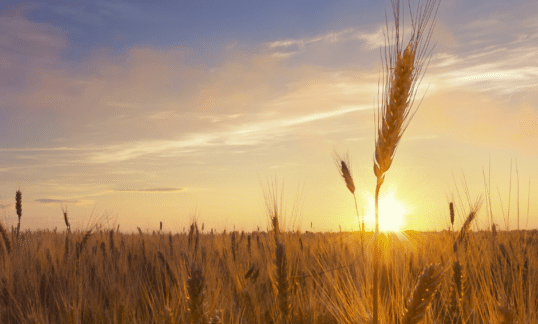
[{"x": 171, "y": 128}]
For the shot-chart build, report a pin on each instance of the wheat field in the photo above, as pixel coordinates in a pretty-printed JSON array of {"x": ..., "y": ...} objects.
[{"x": 267, "y": 277}]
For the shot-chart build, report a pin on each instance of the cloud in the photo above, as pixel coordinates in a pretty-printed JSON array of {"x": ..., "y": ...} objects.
[
  {"x": 148, "y": 101},
  {"x": 166, "y": 102},
  {"x": 248, "y": 134},
  {"x": 301, "y": 42},
  {"x": 25, "y": 47},
  {"x": 371, "y": 39},
  {"x": 152, "y": 190},
  {"x": 4, "y": 206},
  {"x": 56, "y": 201},
  {"x": 352, "y": 46},
  {"x": 498, "y": 69}
]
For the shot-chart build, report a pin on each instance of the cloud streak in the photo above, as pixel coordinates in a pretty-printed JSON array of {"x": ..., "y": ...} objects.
[
  {"x": 152, "y": 190},
  {"x": 56, "y": 201},
  {"x": 252, "y": 134}
]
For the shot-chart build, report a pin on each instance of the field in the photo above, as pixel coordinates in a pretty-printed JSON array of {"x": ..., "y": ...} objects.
[{"x": 104, "y": 276}]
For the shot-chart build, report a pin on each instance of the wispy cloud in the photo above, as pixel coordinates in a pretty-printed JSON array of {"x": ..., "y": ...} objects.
[
  {"x": 339, "y": 48},
  {"x": 249, "y": 134},
  {"x": 43, "y": 149},
  {"x": 504, "y": 63},
  {"x": 327, "y": 37},
  {"x": 152, "y": 190},
  {"x": 24, "y": 47},
  {"x": 56, "y": 201}
]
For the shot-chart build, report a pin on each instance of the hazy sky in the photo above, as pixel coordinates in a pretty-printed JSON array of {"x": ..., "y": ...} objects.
[{"x": 171, "y": 110}]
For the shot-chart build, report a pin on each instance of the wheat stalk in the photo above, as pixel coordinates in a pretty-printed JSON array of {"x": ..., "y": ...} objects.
[
  {"x": 18, "y": 207},
  {"x": 111, "y": 242},
  {"x": 80, "y": 246},
  {"x": 458, "y": 280},
  {"x": 66, "y": 219},
  {"x": 234, "y": 245},
  {"x": 7, "y": 242},
  {"x": 195, "y": 288},
  {"x": 342, "y": 163},
  {"x": 66, "y": 247},
  {"x": 467, "y": 224},
  {"x": 403, "y": 71},
  {"x": 169, "y": 271},
  {"x": 283, "y": 284},
  {"x": 451, "y": 208}
]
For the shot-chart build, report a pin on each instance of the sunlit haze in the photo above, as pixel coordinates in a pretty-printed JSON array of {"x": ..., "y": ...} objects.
[{"x": 166, "y": 111}]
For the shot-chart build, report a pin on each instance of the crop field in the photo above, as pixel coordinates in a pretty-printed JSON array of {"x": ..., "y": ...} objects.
[{"x": 104, "y": 276}]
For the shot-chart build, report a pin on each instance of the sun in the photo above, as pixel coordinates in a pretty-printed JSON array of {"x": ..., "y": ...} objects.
[{"x": 392, "y": 212}]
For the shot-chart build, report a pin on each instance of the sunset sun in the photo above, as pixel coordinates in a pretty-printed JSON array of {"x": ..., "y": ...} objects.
[{"x": 392, "y": 212}]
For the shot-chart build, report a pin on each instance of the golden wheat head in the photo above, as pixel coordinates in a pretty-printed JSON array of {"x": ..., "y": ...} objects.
[
  {"x": 427, "y": 284},
  {"x": 403, "y": 71}
]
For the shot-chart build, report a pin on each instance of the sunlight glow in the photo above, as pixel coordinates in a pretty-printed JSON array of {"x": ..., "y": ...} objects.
[{"x": 392, "y": 212}]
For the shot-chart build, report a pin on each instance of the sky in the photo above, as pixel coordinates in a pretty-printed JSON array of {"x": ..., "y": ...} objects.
[{"x": 134, "y": 113}]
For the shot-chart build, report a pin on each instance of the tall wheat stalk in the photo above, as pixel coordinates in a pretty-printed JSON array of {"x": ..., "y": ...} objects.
[
  {"x": 196, "y": 295},
  {"x": 343, "y": 165},
  {"x": 402, "y": 73},
  {"x": 66, "y": 219},
  {"x": 18, "y": 208}
]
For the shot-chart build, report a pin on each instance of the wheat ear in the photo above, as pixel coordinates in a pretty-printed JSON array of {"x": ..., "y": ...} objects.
[
  {"x": 18, "y": 207},
  {"x": 427, "y": 284},
  {"x": 342, "y": 163},
  {"x": 66, "y": 219},
  {"x": 80, "y": 246},
  {"x": 401, "y": 77},
  {"x": 467, "y": 225},
  {"x": 7, "y": 242},
  {"x": 395, "y": 111},
  {"x": 451, "y": 209},
  {"x": 195, "y": 288}
]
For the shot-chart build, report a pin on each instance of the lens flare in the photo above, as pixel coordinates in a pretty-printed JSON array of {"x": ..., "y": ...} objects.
[{"x": 392, "y": 212}]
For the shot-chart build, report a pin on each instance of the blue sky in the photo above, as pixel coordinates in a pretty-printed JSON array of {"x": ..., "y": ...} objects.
[{"x": 150, "y": 112}]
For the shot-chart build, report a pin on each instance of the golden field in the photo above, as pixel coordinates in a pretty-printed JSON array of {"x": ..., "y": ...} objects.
[{"x": 105, "y": 276}]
